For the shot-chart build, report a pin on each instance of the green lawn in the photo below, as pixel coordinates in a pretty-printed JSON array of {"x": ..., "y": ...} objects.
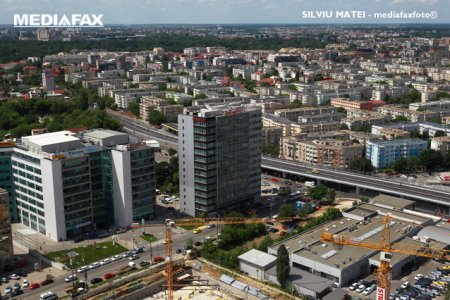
[
  {"x": 87, "y": 254},
  {"x": 148, "y": 237}
]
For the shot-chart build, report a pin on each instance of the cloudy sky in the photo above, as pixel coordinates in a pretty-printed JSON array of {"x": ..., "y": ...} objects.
[{"x": 223, "y": 11}]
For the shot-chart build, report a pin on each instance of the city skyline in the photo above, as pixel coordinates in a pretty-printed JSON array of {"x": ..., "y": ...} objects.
[{"x": 230, "y": 12}]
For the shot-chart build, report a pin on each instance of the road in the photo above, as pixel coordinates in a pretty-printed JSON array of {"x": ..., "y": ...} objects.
[
  {"x": 180, "y": 239},
  {"x": 422, "y": 193}
]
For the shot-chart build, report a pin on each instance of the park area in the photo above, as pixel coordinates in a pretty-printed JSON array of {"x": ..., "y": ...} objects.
[{"x": 87, "y": 254}]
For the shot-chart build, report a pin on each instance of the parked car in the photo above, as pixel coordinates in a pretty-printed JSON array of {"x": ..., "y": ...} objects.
[
  {"x": 34, "y": 285},
  {"x": 14, "y": 277},
  {"x": 144, "y": 263},
  {"x": 4, "y": 280},
  {"x": 126, "y": 254},
  {"x": 96, "y": 280},
  {"x": 71, "y": 278},
  {"x": 117, "y": 257},
  {"x": 46, "y": 282},
  {"x": 404, "y": 285},
  {"x": 105, "y": 261},
  {"x": 134, "y": 257},
  {"x": 94, "y": 265},
  {"x": 360, "y": 288},
  {"x": 418, "y": 276},
  {"x": 83, "y": 269},
  {"x": 8, "y": 290},
  {"x": 157, "y": 259},
  {"x": 138, "y": 250},
  {"x": 25, "y": 283},
  {"x": 369, "y": 290},
  {"x": 109, "y": 275}
]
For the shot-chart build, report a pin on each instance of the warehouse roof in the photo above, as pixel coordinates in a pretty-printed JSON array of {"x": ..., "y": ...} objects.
[
  {"x": 305, "y": 279},
  {"x": 436, "y": 233},
  {"x": 391, "y": 202},
  {"x": 258, "y": 258}
]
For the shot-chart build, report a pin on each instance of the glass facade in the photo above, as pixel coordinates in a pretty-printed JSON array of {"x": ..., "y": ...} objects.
[
  {"x": 6, "y": 247},
  {"x": 143, "y": 183},
  {"x": 6, "y": 179},
  {"x": 77, "y": 195},
  {"x": 102, "y": 189}
]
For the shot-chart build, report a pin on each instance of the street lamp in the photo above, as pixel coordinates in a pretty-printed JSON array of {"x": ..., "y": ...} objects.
[{"x": 72, "y": 255}]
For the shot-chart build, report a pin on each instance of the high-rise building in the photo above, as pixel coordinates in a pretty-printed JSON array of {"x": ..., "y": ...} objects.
[
  {"x": 67, "y": 185},
  {"x": 48, "y": 80},
  {"x": 384, "y": 153},
  {"x": 6, "y": 246},
  {"x": 6, "y": 183},
  {"x": 219, "y": 159}
]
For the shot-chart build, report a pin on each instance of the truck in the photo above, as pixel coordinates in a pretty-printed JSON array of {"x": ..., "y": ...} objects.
[
  {"x": 124, "y": 269},
  {"x": 71, "y": 288},
  {"x": 310, "y": 184}
]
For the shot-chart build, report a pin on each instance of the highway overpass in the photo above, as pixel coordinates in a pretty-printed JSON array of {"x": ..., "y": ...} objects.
[{"x": 432, "y": 194}]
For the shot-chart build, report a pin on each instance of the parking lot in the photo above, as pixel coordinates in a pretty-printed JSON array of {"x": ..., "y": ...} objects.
[{"x": 425, "y": 269}]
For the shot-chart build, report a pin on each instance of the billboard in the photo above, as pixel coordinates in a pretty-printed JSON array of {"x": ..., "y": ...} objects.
[{"x": 381, "y": 293}]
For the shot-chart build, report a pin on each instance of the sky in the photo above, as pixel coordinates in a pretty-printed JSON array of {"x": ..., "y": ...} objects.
[{"x": 227, "y": 11}]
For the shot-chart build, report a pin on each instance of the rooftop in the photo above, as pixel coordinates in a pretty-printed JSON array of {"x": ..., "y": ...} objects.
[
  {"x": 50, "y": 138},
  {"x": 391, "y": 202},
  {"x": 258, "y": 258}
]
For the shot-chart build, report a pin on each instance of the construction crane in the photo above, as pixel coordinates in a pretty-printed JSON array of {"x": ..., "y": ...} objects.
[
  {"x": 171, "y": 223},
  {"x": 386, "y": 249}
]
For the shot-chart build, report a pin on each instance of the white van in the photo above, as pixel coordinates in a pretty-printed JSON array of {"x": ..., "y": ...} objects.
[{"x": 48, "y": 296}]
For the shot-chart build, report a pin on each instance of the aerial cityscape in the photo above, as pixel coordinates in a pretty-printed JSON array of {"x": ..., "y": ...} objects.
[{"x": 202, "y": 149}]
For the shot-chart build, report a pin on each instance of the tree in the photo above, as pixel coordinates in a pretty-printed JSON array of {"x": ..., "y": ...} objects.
[
  {"x": 265, "y": 243},
  {"x": 364, "y": 199},
  {"x": 305, "y": 210},
  {"x": 330, "y": 197},
  {"x": 171, "y": 152},
  {"x": 439, "y": 133},
  {"x": 156, "y": 117},
  {"x": 430, "y": 159},
  {"x": 401, "y": 119},
  {"x": 295, "y": 104},
  {"x": 342, "y": 110},
  {"x": 134, "y": 108},
  {"x": 286, "y": 210},
  {"x": 446, "y": 294},
  {"x": 318, "y": 192},
  {"x": 343, "y": 126},
  {"x": 362, "y": 165},
  {"x": 201, "y": 96},
  {"x": 283, "y": 267}
]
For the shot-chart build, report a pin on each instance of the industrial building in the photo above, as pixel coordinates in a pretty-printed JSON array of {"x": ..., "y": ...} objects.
[
  {"x": 344, "y": 264},
  {"x": 255, "y": 263},
  {"x": 219, "y": 159},
  {"x": 68, "y": 184}
]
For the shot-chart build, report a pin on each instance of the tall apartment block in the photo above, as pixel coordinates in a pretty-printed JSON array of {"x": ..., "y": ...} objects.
[
  {"x": 219, "y": 159},
  {"x": 48, "y": 80},
  {"x": 6, "y": 245},
  {"x": 6, "y": 183},
  {"x": 66, "y": 185},
  {"x": 383, "y": 153}
]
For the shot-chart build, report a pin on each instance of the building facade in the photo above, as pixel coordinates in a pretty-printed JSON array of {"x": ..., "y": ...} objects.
[
  {"x": 6, "y": 245},
  {"x": 383, "y": 153},
  {"x": 220, "y": 159},
  {"x": 67, "y": 185},
  {"x": 48, "y": 80}
]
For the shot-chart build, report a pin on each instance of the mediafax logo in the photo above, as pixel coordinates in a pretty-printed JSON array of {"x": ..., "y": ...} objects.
[{"x": 48, "y": 20}]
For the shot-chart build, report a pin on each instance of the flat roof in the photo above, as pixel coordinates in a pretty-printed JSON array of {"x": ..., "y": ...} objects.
[
  {"x": 391, "y": 202},
  {"x": 395, "y": 213},
  {"x": 258, "y": 258},
  {"x": 397, "y": 257},
  {"x": 437, "y": 233},
  {"x": 51, "y": 138},
  {"x": 305, "y": 279},
  {"x": 103, "y": 133}
]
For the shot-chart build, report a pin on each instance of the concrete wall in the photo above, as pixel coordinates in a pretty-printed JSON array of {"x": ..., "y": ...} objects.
[
  {"x": 123, "y": 206},
  {"x": 52, "y": 189}
]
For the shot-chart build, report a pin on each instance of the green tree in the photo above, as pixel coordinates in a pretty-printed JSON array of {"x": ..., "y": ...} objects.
[
  {"x": 305, "y": 209},
  {"x": 364, "y": 199},
  {"x": 401, "y": 119},
  {"x": 201, "y": 96},
  {"x": 295, "y": 104},
  {"x": 286, "y": 210},
  {"x": 430, "y": 160},
  {"x": 265, "y": 243},
  {"x": 134, "y": 108},
  {"x": 330, "y": 197},
  {"x": 156, "y": 117},
  {"x": 439, "y": 133},
  {"x": 318, "y": 192},
  {"x": 342, "y": 110},
  {"x": 171, "y": 152},
  {"x": 343, "y": 126},
  {"x": 283, "y": 267},
  {"x": 362, "y": 165}
]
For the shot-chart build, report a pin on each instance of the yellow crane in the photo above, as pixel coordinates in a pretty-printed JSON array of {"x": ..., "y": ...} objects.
[
  {"x": 171, "y": 223},
  {"x": 386, "y": 249}
]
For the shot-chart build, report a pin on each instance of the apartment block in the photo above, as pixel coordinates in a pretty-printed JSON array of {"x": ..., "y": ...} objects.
[
  {"x": 220, "y": 159},
  {"x": 351, "y": 104},
  {"x": 441, "y": 144},
  {"x": 330, "y": 152},
  {"x": 383, "y": 153}
]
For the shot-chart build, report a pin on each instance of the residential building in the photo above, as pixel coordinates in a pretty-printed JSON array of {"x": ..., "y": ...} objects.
[
  {"x": 430, "y": 105},
  {"x": 441, "y": 144},
  {"x": 383, "y": 153},
  {"x": 6, "y": 243},
  {"x": 393, "y": 133},
  {"x": 271, "y": 136},
  {"x": 67, "y": 184},
  {"x": 219, "y": 159},
  {"x": 293, "y": 114},
  {"x": 351, "y": 104},
  {"x": 332, "y": 152},
  {"x": 48, "y": 80},
  {"x": 412, "y": 115}
]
